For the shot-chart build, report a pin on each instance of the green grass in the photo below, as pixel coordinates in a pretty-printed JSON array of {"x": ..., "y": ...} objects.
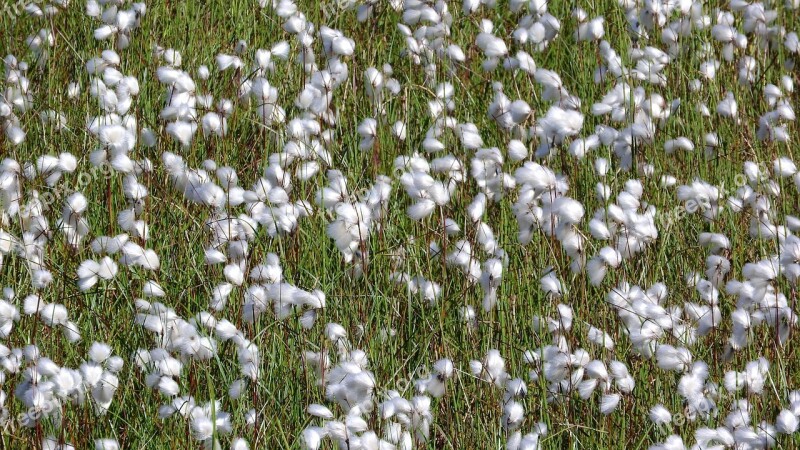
[{"x": 468, "y": 416}]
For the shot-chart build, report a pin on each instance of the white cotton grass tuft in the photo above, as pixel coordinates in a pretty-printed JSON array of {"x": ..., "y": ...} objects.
[{"x": 609, "y": 403}]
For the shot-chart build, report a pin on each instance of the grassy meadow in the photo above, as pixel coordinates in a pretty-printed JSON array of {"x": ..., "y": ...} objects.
[{"x": 401, "y": 333}]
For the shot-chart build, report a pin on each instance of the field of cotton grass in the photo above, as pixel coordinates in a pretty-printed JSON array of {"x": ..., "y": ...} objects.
[{"x": 399, "y": 224}]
